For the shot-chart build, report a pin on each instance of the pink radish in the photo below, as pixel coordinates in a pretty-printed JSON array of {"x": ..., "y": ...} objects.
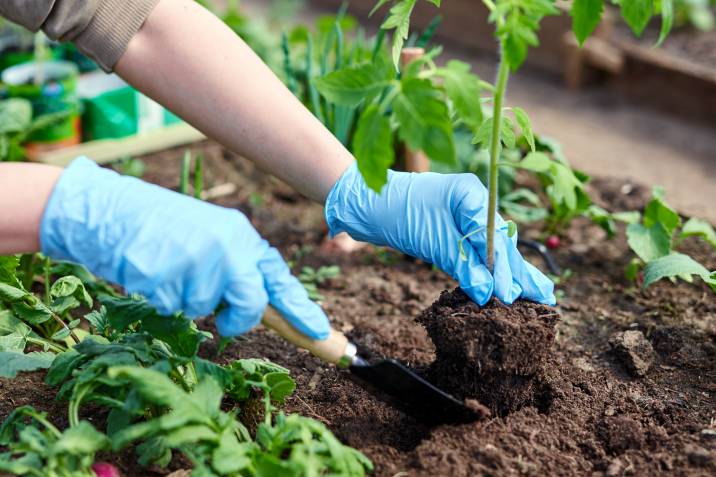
[{"x": 105, "y": 469}]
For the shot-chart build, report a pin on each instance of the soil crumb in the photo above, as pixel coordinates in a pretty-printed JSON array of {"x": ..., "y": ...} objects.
[{"x": 494, "y": 354}]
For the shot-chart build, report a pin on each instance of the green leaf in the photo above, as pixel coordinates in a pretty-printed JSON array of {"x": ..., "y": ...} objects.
[
  {"x": 637, "y": 13},
  {"x": 350, "y": 86},
  {"x": 526, "y": 126},
  {"x": 81, "y": 439},
  {"x": 507, "y": 133},
  {"x": 13, "y": 332},
  {"x": 463, "y": 89},
  {"x": 511, "y": 228},
  {"x": 667, "y": 19},
  {"x": 153, "y": 385},
  {"x": 673, "y": 265},
  {"x": 658, "y": 212},
  {"x": 281, "y": 385},
  {"x": 399, "y": 19},
  {"x": 15, "y": 115},
  {"x": 8, "y": 268},
  {"x": 699, "y": 228},
  {"x": 586, "y": 15},
  {"x": 649, "y": 243},
  {"x": 536, "y": 162},
  {"x": 483, "y": 134},
  {"x": 424, "y": 120},
  {"x": 71, "y": 286},
  {"x": 13, "y": 362},
  {"x": 177, "y": 331},
  {"x": 373, "y": 147}
]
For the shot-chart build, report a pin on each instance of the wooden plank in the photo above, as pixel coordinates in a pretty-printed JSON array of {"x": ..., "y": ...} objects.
[{"x": 109, "y": 150}]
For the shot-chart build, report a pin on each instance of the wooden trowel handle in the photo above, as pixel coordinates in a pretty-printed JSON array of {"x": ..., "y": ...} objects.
[{"x": 336, "y": 349}]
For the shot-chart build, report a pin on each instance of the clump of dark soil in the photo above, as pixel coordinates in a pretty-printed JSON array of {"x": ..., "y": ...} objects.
[{"x": 494, "y": 353}]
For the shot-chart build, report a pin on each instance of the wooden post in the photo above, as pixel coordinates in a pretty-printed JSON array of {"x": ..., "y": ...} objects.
[{"x": 415, "y": 161}]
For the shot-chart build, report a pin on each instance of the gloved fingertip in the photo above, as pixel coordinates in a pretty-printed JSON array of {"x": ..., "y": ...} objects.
[
  {"x": 232, "y": 322},
  {"x": 306, "y": 316},
  {"x": 479, "y": 294}
]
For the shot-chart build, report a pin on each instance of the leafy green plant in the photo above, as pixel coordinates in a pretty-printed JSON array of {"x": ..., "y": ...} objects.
[
  {"x": 312, "y": 278},
  {"x": 186, "y": 174},
  {"x": 697, "y": 13},
  {"x": 516, "y": 27},
  {"x": 17, "y": 124},
  {"x": 35, "y": 447},
  {"x": 219, "y": 445},
  {"x": 654, "y": 240}
]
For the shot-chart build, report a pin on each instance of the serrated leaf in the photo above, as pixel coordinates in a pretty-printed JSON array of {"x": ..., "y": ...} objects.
[
  {"x": 13, "y": 332},
  {"x": 649, "y": 243},
  {"x": 399, "y": 19},
  {"x": 177, "y": 331},
  {"x": 13, "y": 362},
  {"x": 526, "y": 126},
  {"x": 373, "y": 147},
  {"x": 586, "y": 15},
  {"x": 671, "y": 266},
  {"x": 699, "y": 228},
  {"x": 507, "y": 133},
  {"x": 536, "y": 162},
  {"x": 483, "y": 134},
  {"x": 424, "y": 121},
  {"x": 350, "y": 86},
  {"x": 637, "y": 14},
  {"x": 8, "y": 268},
  {"x": 463, "y": 89}
]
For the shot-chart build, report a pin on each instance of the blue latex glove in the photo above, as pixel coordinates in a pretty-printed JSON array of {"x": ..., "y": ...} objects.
[
  {"x": 425, "y": 215},
  {"x": 179, "y": 252}
]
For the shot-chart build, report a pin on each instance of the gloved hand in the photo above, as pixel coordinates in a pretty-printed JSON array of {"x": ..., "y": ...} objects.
[
  {"x": 179, "y": 252},
  {"x": 425, "y": 216}
]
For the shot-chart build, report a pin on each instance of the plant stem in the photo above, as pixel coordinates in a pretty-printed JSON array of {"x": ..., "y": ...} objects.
[
  {"x": 46, "y": 272},
  {"x": 43, "y": 342},
  {"x": 500, "y": 88}
]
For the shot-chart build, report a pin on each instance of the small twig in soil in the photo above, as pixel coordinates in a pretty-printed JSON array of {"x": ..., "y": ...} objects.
[{"x": 313, "y": 412}]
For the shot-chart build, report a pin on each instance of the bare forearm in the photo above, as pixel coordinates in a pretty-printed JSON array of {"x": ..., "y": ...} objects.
[
  {"x": 188, "y": 60},
  {"x": 24, "y": 192}
]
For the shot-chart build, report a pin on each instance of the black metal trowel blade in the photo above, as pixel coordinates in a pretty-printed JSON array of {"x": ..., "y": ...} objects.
[{"x": 427, "y": 402}]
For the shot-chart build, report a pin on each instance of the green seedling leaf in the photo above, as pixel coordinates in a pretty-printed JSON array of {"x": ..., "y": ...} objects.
[
  {"x": 71, "y": 286},
  {"x": 483, "y": 134},
  {"x": 399, "y": 20},
  {"x": 586, "y": 15},
  {"x": 658, "y": 212},
  {"x": 8, "y": 268},
  {"x": 637, "y": 14},
  {"x": 526, "y": 126},
  {"x": 667, "y": 19},
  {"x": 13, "y": 362},
  {"x": 424, "y": 120},
  {"x": 672, "y": 266},
  {"x": 508, "y": 133},
  {"x": 98, "y": 320},
  {"x": 81, "y": 439},
  {"x": 178, "y": 332},
  {"x": 631, "y": 272},
  {"x": 463, "y": 89},
  {"x": 373, "y": 147},
  {"x": 352, "y": 85},
  {"x": 699, "y": 228},
  {"x": 511, "y": 228},
  {"x": 13, "y": 332},
  {"x": 649, "y": 243}
]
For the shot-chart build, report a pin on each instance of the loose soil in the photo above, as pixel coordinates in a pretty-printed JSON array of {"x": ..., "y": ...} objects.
[
  {"x": 494, "y": 354},
  {"x": 577, "y": 411}
]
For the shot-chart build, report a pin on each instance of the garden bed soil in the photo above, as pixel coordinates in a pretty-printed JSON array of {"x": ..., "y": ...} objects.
[{"x": 585, "y": 414}]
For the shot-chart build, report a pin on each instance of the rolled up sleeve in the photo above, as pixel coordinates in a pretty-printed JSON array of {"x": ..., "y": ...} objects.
[{"x": 101, "y": 29}]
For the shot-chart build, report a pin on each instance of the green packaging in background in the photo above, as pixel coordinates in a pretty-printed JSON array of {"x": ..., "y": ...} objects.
[{"x": 113, "y": 109}]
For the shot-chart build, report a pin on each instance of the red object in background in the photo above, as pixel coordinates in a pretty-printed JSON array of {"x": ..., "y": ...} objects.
[
  {"x": 553, "y": 242},
  {"x": 104, "y": 469}
]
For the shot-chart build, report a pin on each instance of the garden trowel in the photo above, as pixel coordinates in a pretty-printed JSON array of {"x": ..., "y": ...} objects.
[{"x": 427, "y": 402}]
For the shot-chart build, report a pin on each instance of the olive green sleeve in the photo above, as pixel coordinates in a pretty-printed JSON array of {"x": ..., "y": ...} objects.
[{"x": 101, "y": 29}]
